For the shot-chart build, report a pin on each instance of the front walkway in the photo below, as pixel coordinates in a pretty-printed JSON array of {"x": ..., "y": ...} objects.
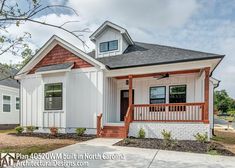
[{"x": 142, "y": 158}]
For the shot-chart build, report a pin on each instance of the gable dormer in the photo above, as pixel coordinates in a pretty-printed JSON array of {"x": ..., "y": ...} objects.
[{"x": 110, "y": 39}]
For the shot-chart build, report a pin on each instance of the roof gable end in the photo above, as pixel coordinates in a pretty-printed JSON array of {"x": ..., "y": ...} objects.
[
  {"x": 106, "y": 24},
  {"x": 48, "y": 46},
  {"x": 59, "y": 55}
]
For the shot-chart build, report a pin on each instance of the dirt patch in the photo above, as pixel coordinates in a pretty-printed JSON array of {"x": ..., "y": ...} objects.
[
  {"x": 180, "y": 145},
  {"x": 11, "y": 140},
  {"x": 27, "y": 143},
  {"x": 225, "y": 138},
  {"x": 28, "y": 150},
  {"x": 30, "y": 139}
]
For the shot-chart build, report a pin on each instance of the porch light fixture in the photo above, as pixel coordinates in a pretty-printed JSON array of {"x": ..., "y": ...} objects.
[{"x": 127, "y": 82}]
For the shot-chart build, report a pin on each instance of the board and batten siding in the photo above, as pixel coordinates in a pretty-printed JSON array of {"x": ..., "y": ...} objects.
[
  {"x": 11, "y": 117},
  {"x": 110, "y": 100},
  {"x": 82, "y": 99}
]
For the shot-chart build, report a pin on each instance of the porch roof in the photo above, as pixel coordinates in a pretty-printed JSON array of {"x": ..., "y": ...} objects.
[{"x": 57, "y": 67}]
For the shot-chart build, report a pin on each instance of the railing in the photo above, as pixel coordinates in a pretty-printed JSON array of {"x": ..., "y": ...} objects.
[
  {"x": 128, "y": 118},
  {"x": 177, "y": 112},
  {"x": 99, "y": 125}
]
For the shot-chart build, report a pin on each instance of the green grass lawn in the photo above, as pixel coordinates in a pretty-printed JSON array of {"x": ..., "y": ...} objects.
[
  {"x": 27, "y": 150},
  {"x": 8, "y": 131}
]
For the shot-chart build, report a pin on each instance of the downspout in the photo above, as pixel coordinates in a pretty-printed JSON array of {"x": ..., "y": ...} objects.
[
  {"x": 213, "y": 130},
  {"x": 20, "y": 102}
]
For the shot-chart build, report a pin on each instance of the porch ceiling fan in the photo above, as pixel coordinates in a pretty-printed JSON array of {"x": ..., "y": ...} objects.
[{"x": 162, "y": 76}]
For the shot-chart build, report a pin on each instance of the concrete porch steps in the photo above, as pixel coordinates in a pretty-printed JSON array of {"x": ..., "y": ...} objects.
[{"x": 113, "y": 132}]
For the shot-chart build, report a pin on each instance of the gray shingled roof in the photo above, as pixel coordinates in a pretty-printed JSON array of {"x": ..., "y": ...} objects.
[
  {"x": 55, "y": 67},
  {"x": 6, "y": 77},
  {"x": 142, "y": 54},
  {"x": 10, "y": 83}
]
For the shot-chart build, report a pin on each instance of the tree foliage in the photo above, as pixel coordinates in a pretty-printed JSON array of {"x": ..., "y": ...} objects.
[
  {"x": 223, "y": 102},
  {"x": 14, "y": 12},
  {"x": 20, "y": 12}
]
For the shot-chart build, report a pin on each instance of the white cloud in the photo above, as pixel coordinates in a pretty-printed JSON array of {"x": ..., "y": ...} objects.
[{"x": 151, "y": 14}]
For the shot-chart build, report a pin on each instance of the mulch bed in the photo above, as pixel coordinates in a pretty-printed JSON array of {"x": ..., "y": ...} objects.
[
  {"x": 179, "y": 145},
  {"x": 73, "y": 136}
]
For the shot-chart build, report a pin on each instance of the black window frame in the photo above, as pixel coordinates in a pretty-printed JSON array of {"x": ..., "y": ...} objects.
[
  {"x": 157, "y": 109},
  {"x": 46, "y": 97},
  {"x": 176, "y": 86},
  {"x": 157, "y": 87},
  {"x": 108, "y": 46}
]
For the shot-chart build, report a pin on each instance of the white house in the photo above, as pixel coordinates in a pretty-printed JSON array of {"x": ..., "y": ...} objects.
[
  {"x": 9, "y": 103},
  {"x": 118, "y": 88}
]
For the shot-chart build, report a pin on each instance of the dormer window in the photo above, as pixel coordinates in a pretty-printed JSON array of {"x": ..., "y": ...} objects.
[{"x": 109, "y": 46}]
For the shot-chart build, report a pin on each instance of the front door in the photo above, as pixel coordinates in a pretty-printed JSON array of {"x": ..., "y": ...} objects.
[{"x": 125, "y": 102}]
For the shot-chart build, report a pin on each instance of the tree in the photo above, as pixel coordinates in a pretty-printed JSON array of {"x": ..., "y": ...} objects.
[
  {"x": 20, "y": 12},
  {"x": 223, "y": 102},
  {"x": 26, "y": 55}
]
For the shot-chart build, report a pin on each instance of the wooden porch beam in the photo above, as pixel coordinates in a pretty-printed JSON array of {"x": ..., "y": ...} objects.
[
  {"x": 130, "y": 89},
  {"x": 206, "y": 94},
  {"x": 160, "y": 73}
]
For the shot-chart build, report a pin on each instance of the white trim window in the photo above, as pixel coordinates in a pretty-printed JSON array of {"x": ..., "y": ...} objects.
[
  {"x": 53, "y": 96},
  {"x": 17, "y": 103},
  {"x": 109, "y": 46},
  {"x": 6, "y": 103}
]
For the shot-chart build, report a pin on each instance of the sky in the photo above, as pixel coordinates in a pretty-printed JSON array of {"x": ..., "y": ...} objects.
[{"x": 193, "y": 24}]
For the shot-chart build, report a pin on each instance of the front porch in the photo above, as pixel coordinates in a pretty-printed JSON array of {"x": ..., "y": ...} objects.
[{"x": 166, "y": 97}]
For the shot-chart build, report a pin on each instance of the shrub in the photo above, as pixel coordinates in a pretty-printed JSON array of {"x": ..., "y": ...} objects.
[
  {"x": 168, "y": 141},
  {"x": 202, "y": 138},
  {"x": 54, "y": 131},
  {"x": 19, "y": 129},
  {"x": 141, "y": 133},
  {"x": 80, "y": 131},
  {"x": 30, "y": 129},
  {"x": 166, "y": 135}
]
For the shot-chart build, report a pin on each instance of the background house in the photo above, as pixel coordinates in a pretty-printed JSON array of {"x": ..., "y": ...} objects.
[{"x": 9, "y": 98}]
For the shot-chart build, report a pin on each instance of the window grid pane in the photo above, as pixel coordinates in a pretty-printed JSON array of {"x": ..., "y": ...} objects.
[
  {"x": 177, "y": 94},
  {"x": 6, "y": 103},
  {"x": 53, "y": 96},
  {"x": 104, "y": 47},
  {"x": 6, "y": 108},
  {"x": 158, "y": 95},
  {"x": 113, "y": 45},
  {"x": 17, "y": 103}
]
